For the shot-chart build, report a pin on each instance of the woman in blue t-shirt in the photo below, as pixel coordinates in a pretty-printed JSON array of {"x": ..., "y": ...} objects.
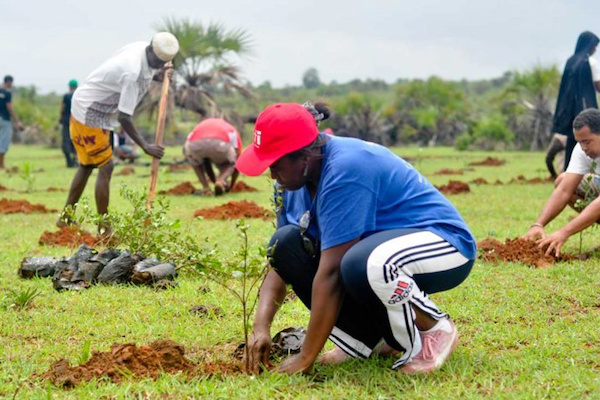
[{"x": 362, "y": 238}]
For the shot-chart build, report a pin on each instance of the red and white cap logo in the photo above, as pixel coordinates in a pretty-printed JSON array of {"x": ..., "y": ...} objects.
[{"x": 257, "y": 138}]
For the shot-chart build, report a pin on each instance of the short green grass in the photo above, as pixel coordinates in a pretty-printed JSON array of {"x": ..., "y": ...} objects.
[{"x": 525, "y": 333}]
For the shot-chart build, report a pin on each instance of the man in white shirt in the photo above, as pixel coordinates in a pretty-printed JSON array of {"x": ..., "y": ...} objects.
[
  {"x": 580, "y": 181},
  {"x": 107, "y": 99}
]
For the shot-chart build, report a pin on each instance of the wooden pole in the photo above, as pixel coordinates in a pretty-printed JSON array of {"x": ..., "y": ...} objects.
[{"x": 160, "y": 129}]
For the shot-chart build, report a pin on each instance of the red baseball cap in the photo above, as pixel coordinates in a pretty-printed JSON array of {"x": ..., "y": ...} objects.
[{"x": 279, "y": 130}]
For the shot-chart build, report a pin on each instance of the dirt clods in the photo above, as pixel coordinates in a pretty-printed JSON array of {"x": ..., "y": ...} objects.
[
  {"x": 22, "y": 206},
  {"x": 182, "y": 189},
  {"x": 532, "y": 181},
  {"x": 489, "y": 162},
  {"x": 454, "y": 187},
  {"x": 240, "y": 187},
  {"x": 479, "y": 181},
  {"x": 126, "y": 171},
  {"x": 233, "y": 210},
  {"x": 123, "y": 360},
  {"x": 517, "y": 250},
  {"x": 447, "y": 171},
  {"x": 69, "y": 236}
]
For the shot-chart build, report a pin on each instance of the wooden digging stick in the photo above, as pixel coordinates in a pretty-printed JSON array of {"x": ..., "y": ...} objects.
[{"x": 160, "y": 128}]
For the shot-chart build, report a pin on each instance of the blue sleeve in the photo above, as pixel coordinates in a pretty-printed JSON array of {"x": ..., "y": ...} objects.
[{"x": 345, "y": 212}]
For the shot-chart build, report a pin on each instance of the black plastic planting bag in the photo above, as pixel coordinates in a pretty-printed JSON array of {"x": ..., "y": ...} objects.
[
  {"x": 154, "y": 274},
  {"x": 289, "y": 341},
  {"x": 89, "y": 270},
  {"x": 119, "y": 269},
  {"x": 145, "y": 264},
  {"x": 37, "y": 266}
]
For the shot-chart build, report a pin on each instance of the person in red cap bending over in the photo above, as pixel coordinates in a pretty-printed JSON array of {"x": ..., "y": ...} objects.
[
  {"x": 363, "y": 248},
  {"x": 214, "y": 141}
]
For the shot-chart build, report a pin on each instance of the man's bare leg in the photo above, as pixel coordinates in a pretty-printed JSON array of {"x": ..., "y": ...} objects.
[
  {"x": 75, "y": 191},
  {"x": 200, "y": 173}
]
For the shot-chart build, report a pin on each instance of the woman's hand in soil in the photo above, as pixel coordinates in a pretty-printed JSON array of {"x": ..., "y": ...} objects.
[
  {"x": 260, "y": 348},
  {"x": 294, "y": 365},
  {"x": 535, "y": 233},
  {"x": 554, "y": 242}
]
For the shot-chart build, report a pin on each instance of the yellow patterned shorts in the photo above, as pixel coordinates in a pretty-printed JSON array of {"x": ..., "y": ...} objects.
[{"x": 92, "y": 144}]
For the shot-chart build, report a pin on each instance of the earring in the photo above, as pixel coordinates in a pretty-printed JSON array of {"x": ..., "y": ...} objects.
[{"x": 305, "y": 173}]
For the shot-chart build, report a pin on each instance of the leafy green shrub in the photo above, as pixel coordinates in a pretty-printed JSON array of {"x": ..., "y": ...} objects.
[{"x": 488, "y": 134}]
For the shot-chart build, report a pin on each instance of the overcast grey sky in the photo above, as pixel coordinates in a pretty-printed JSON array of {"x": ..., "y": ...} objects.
[{"x": 47, "y": 42}]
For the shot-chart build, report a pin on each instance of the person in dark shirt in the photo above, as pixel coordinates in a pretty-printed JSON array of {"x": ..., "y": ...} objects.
[
  {"x": 6, "y": 115},
  {"x": 65, "y": 115}
]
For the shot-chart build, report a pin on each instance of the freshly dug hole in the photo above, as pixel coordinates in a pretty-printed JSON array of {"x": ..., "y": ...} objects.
[{"x": 517, "y": 250}]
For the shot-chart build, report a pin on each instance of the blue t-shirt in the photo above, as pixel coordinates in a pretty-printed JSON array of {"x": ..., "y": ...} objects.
[{"x": 364, "y": 189}]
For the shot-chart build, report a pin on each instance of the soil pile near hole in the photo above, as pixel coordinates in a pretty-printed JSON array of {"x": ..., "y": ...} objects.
[
  {"x": 68, "y": 236},
  {"x": 22, "y": 206},
  {"x": 126, "y": 171},
  {"x": 517, "y": 250},
  {"x": 182, "y": 189},
  {"x": 454, "y": 187},
  {"x": 489, "y": 162},
  {"x": 447, "y": 171},
  {"x": 180, "y": 167},
  {"x": 480, "y": 181},
  {"x": 240, "y": 187},
  {"x": 532, "y": 181},
  {"x": 55, "y": 189},
  {"x": 135, "y": 362},
  {"x": 234, "y": 210},
  {"x": 4, "y": 189},
  {"x": 123, "y": 360}
]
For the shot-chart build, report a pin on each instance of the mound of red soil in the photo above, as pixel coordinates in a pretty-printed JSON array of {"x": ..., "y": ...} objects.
[
  {"x": 533, "y": 181},
  {"x": 517, "y": 250},
  {"x": 242, "y": 187},
  {"x": 480, "y": 181},
  {"x": 489, "y": 161},
  {"x": 454, "y": 187},
  {"x": 179, "y": 167},
  {"x": 4, "y": 189},
  {"x": 126, "y": 171},
  {"x": 69, "y": 236},
  {"x": 22, "y": 206},
  {"x": 233, "y": 210},
  {"x": 498, "y": 182},
  {"x": 447, "y": 171},
  {"x": 129, "y": 360},
  {"x": 182, "y": 189},
  {"x": 55, "y": 189}
]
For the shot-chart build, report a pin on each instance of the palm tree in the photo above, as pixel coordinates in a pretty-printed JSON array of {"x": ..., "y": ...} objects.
[
  {"x": 203, "y": 67},
  {"x": 535, "y": 91}
]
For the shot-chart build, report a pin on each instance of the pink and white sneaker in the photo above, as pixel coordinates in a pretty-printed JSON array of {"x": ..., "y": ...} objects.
[{"x": 437, "y": 345}]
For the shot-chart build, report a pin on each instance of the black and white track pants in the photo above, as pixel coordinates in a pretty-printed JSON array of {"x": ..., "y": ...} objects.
[{"x": 385, "y": 277}]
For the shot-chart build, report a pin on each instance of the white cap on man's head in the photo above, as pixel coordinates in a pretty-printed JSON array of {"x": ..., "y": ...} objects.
[{"x": 165, "y": 46}]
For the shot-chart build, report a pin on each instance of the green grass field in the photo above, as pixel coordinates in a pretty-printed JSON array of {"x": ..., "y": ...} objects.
[{"x": 525, "y": 333}]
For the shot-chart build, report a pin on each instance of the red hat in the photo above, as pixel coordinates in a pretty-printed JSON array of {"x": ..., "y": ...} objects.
[{"x": 280, "y": 129}]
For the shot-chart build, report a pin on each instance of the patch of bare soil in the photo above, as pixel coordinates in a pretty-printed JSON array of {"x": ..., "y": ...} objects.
[
  {"x": 22, "y": 206},
  {"x": 532, "y": 181},
  {"x": 447, "y": 171},
  {"x": 180, "y": 167},
  {"x": 126, "y": 171},
  {"x": 454, "y": 187},
  {"x": 233, "y": 210},
  {"x": 55, "y": 189},
  {"x": 69, "y": 236},
  {"x": 489, "y": 162},
  {"x": 135, "y": 362},
  {"x": 182, "y": 189},
  {"x": 4, "y": 189},
  {"x": 480, "y": 181},
  {"x": 240, "y": 187},
  {"x": 517, "y": 250}
]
